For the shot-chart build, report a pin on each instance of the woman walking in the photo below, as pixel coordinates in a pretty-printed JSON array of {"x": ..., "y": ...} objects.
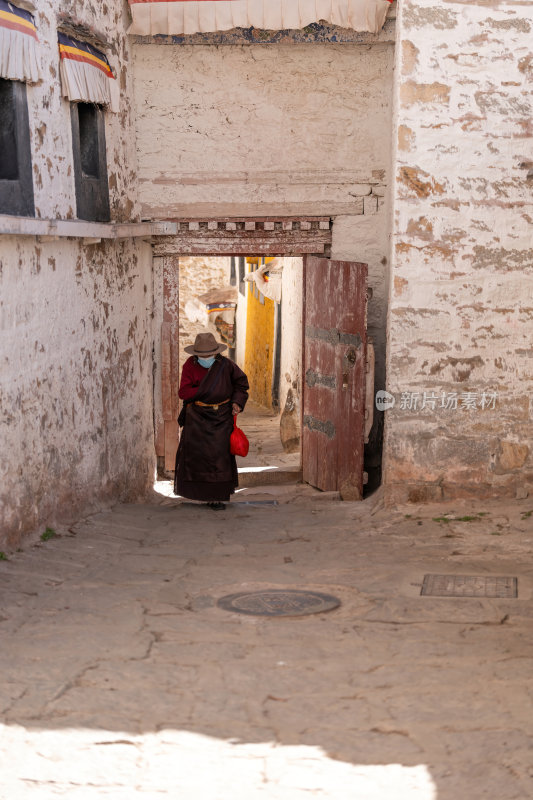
[{"x": 214, "y": 389}]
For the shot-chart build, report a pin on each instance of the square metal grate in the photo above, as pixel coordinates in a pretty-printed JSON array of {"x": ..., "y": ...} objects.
[{"x": 469, "y": 586}]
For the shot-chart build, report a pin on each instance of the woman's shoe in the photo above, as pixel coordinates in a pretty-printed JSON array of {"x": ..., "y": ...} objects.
[{"x": 217, "y": 506}]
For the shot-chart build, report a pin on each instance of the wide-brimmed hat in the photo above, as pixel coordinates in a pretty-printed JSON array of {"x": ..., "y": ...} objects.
[{"x": 204, "y": 345}]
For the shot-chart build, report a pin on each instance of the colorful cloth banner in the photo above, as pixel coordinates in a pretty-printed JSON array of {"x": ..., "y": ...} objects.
[
  {"x": 86, "y": 74},
  {"x": 18, "y": 45},
  {"x": 213, "y": 308},
  {"x": 201, "y": 16}
]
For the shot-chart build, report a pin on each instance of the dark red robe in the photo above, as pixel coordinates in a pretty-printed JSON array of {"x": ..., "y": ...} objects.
[{"x": 205, "y": 468}]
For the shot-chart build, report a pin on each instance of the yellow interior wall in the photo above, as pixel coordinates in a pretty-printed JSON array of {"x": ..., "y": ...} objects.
[{"x": 259, "y": 353}]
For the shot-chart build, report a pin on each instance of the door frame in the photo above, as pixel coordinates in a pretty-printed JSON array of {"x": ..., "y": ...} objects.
[
  {"x": 278, "y": 236},
  {"x": 166, "y": 434}
]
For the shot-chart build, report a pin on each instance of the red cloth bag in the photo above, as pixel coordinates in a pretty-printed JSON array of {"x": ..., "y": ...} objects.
[{"x": 238, "y": 442}]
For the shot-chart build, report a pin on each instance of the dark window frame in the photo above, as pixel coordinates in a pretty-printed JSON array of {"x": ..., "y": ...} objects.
[
  {"x": 89, "y": 148},
  {"x": 16, "y": 193}
]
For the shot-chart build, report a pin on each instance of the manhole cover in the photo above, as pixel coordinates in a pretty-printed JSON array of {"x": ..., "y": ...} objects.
[
  {"x": 278, "y": 603},
  {"x": 469, "y": 586}
]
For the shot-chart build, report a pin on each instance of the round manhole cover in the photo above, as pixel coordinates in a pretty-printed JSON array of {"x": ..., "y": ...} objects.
[{"x": 278, "y": 603}]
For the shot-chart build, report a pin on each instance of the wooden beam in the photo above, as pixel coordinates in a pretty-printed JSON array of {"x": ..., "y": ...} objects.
[
  {"x": 241, "y": 236},
  {"x": 80, "y": 229}
]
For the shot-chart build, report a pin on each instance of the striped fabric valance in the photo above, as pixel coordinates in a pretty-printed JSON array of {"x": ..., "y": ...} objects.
[
  {"x": 202, "y": 16},
  {"x": 18, "y": 45},
  {"x": 86, "y": 75}
]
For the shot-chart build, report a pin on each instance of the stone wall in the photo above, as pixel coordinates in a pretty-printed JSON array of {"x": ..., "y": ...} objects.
[
  {"x": 461, "y": 307},
  {"x": 75, "y": 404}
]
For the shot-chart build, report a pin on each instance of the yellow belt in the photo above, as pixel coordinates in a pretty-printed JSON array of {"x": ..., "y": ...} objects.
[{"x": 214, "y": 406}]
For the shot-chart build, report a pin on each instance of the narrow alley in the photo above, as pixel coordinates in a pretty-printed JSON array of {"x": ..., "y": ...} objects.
[
  {"x": 122, "y": 677},
  {"x": 339, "y": 193}
]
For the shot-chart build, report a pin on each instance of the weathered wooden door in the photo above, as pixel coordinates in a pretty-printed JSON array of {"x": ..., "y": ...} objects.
[{"x": 334, "y": 375}]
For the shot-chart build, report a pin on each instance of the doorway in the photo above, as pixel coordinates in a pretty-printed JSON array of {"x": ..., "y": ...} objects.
[
  {"x": 269, "y": 348},
  {"x": 322, "y": 401},
  {"x": 253, "y": 304}
]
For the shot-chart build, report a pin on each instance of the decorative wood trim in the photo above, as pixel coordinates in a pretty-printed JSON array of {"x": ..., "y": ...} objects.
[
  {"x": 241, "y": 236},
  {"x": 199, "y": 236}
]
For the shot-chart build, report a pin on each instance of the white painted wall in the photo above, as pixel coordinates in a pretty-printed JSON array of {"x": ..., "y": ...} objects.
[
  {"x": 76, "y": 380},
  {"x": 257, "y": 130},
  {"x": 291, "y": 331},
  {"x": 242, "y": 309},
  {"x": 49, "y": 114},
  {"x": 461, "y": 308}
]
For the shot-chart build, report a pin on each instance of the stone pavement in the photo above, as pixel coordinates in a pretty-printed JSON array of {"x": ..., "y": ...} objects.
[
  {"x": 262, "y": 428},
  {"x": 121, "y": 678}
]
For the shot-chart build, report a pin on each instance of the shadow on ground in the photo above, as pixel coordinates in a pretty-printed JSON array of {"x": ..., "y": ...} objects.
[{"x": 121, "y": 676}]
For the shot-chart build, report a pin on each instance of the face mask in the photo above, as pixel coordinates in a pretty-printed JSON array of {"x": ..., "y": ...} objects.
[{"x": 206, "y": 362}]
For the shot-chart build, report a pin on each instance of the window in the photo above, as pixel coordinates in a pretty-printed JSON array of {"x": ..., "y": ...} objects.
[
  {"x": 16, "y": 183},
  {"x": 8, "y": 134},
  {"x": 88, "y": 126},
  {"x": 90, "y": 164}
]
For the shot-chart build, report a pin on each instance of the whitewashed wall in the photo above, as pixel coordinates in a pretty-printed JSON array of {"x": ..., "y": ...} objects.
[
  {"x": 49, "y": 114},
  {"x": 240, "y": 317},
  {"x": 75, "y": 407},
  {"x": 291, "y": 327},
  {"x": 76, "y": 379},
  {"x": 461, "y": 313},
  {"x": 257, "y": 130},
  {"x": 290, "y": 389}
]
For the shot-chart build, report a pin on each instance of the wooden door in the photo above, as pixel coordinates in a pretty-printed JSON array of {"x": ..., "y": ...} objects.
[{"x": 334, "y": 375}]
